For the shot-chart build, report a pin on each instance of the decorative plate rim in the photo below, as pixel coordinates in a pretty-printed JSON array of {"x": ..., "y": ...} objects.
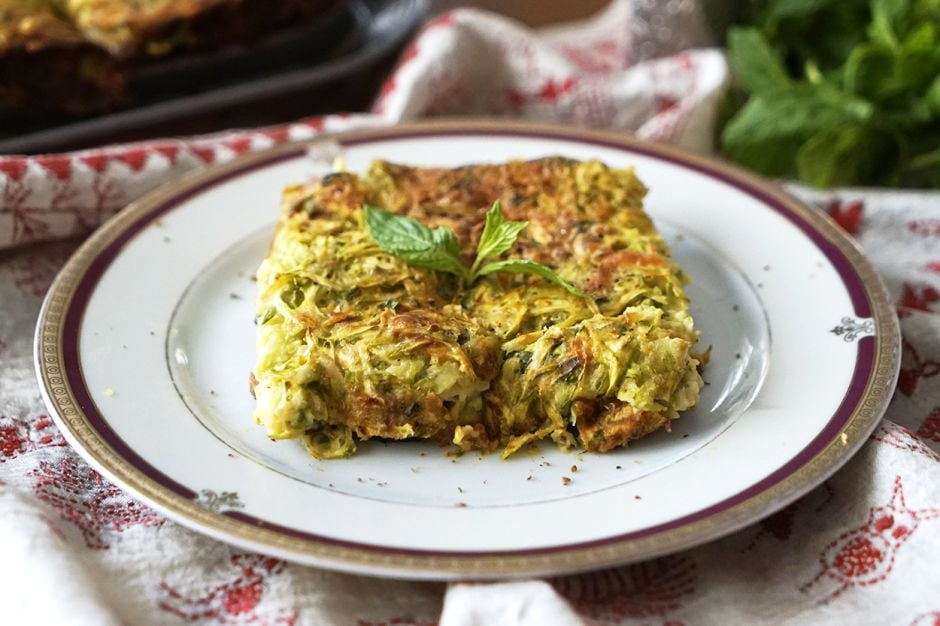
[{"x": 866, "y": 399}]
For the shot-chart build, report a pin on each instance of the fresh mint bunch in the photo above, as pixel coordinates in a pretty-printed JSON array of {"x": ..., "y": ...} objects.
[
  {"x": 438, "y": 248},
  {"x": 840, "y": 92}
]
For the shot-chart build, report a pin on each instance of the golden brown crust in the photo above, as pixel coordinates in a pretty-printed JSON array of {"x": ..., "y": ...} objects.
[
  {"x": 613, "y": 426},
  {"x": 33, "y": 25},
  {"x": 459, "y": 199},
  {"x": 509, "y": 360},
  {"x": 131, "y": 28},
  {"x": 75, "y": 55},
  {"x": 45, "y": 62}
]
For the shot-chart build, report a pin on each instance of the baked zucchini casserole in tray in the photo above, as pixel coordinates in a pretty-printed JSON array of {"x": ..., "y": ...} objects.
[
  {"x": 79, "y": 56},
  {"x": 577, "y": 330}
]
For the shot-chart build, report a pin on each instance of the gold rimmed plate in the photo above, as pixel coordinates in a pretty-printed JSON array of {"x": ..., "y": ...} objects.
[{"x": 146, "y": 340}]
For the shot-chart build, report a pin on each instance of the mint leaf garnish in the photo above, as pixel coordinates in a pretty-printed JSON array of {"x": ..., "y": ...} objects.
[{"x": 438, "y": 249}]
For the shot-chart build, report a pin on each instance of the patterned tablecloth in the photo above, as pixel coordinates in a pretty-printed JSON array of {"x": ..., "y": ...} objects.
[{"x": 862, "y": 548}]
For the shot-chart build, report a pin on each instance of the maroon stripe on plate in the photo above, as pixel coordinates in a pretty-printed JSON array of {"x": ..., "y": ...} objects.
[{"x": 74, "y": 316}]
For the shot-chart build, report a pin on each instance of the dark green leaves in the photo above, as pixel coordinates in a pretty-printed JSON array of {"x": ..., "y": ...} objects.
[
  {"x": 438, "y": 249},
  {"x": 757, "y": 66},
  {"x": 498, "y": 237},
  {"x": 886, "y": 16},
  {"x": 782, "y": 9},
  {"x": 767, "y": 133},
  {"x": 843, "y": 155},
  {"x": 498, "y": 234},
  {"x": 933, "y": 97},
  {"x": 841, "y": 92},
  {"x": 413, "y": 242},
  {"x": 524, "y": 266},
  {"x": 868, "y": 70}
]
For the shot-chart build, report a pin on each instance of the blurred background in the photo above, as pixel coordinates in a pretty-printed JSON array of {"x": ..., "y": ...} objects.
[
  {"x": 831, "y": 92},
  {"x": 65, "y": 84}
]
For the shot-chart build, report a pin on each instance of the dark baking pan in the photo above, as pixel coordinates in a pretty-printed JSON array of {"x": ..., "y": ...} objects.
[{"x": 335, "y": 64}]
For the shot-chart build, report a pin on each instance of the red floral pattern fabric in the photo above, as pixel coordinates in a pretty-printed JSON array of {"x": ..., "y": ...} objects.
[{"x": 861, "y": 548}]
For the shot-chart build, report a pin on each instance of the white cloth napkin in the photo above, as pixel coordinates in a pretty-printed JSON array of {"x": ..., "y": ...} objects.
[
  {"x": 526, "y": 603},
  {"x": 863, "y": 548},
  {"x": 36, "y": 559}
]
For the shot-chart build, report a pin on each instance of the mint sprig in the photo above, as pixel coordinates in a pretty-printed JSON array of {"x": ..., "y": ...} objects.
[
  {"x": 414, "y": 243},
  {"x": 840, "y": 92},
  {"x": 437, "y": 249}
]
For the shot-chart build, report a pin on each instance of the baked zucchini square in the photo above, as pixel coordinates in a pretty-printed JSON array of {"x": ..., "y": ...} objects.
[
  {"x": 155, "y": 28},
  {"x": 355, "y": 343}
]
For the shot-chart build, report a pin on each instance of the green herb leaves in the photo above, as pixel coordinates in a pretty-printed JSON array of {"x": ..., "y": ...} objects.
[
  {"x": 498, "y": 235},
  {"x": 414, "y": 243},
  {"x": 840, "y": 92},
  {"x": 438, "y": 249},
  {"x": 757, "y": 66},
  {"x": 524, "y": 266}
]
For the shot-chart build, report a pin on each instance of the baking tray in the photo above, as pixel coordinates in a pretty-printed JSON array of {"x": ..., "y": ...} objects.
[{"x": 334, "y": 64}]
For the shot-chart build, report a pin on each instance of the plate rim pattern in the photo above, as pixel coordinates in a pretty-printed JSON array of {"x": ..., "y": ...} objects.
[{"x": 70, "y": 404}]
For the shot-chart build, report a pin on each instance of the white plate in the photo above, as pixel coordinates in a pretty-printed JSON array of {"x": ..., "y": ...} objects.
[{"x": 146, "y": 340}]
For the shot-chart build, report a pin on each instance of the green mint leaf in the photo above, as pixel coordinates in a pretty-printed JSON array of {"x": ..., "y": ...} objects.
[
  {"x": 766, "y": 134},
  {"x": 783, "y": 9},
  {"x": 413, "y": 242},
  {"x": 498, "y": 234},
  {"x": 438, "y": 249},
  {"x": 927, "y": 160},
  {"x": 755, "y": 63},
  {"x": 826, "y": 158},
  {"x": 886, "y": 20},
  {"x": 870, "y": 96},
  {"x": 848, "y": 155},
  {"x": 524, "y": 266},
  {"x": 917, "y": 62},
  {"x": 868, "y": 70},
  {"x": 396, "y": 232},
  {"x": 446, "y": 240},
  {"x": 933, "y": 97}
]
